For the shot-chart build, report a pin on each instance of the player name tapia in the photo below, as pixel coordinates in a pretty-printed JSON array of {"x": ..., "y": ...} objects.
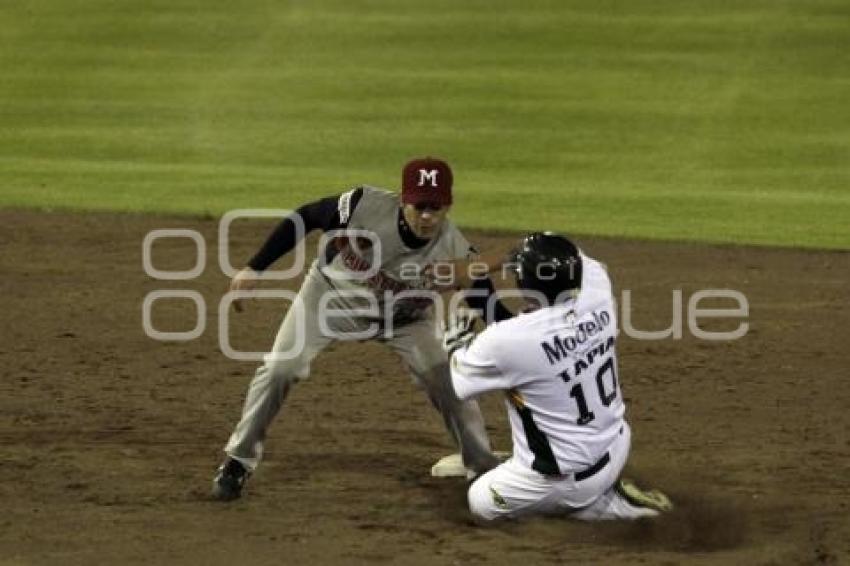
[{"x": 560, "y": 346}]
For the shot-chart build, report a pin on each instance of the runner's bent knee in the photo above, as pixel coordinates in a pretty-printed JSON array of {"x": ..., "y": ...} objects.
[{"x": 481, "y": 503}]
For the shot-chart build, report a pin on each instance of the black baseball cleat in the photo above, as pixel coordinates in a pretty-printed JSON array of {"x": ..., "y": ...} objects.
[{"x": 230, "y": 480}]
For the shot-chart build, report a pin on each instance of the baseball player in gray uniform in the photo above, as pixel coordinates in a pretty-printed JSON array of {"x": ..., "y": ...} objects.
[
  {"x": 369, "y": 282},
  {"x": 556, "y": 362}
]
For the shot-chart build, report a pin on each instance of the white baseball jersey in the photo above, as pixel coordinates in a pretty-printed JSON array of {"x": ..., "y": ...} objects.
[{"x": 558, "y": 366}]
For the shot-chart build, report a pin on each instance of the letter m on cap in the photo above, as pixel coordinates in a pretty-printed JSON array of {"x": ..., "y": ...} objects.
[{"x": 428, "y": 175}]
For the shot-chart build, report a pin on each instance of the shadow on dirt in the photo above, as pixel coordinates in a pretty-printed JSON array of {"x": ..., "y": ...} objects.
[{"x": 697, "y": 524}]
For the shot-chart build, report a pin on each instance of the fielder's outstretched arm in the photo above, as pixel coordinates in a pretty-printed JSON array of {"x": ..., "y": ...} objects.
[{"x": 323, "y": 213}]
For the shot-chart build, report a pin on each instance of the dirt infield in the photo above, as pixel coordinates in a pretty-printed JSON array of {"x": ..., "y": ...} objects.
[{"x": 110, "y": 439}]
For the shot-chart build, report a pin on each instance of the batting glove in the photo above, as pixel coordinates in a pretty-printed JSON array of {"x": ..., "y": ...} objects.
[{"x": 457, "y": 330}]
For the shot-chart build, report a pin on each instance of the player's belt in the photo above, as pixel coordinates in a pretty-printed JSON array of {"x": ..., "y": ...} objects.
[{"x": 594, "y": 469}]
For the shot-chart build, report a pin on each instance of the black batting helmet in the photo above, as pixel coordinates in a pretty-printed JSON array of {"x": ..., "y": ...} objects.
[{"x": 548, "y": 263}]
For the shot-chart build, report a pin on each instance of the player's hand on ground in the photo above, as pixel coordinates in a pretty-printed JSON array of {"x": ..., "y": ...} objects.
[
  {"x": 245, "y": 280},
  {"x": 457, "y": 330}
]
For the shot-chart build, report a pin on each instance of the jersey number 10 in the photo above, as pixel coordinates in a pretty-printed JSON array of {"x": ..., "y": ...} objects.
[{"x": 607, "y": 397}]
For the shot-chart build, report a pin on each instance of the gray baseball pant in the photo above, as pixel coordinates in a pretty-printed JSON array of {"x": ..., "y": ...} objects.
[{"x": 300, "y": 339}]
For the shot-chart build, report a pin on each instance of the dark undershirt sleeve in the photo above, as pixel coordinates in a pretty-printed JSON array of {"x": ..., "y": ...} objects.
[
  {"x": 500, "y": 312},
  {"x": 322, "y": 214}
]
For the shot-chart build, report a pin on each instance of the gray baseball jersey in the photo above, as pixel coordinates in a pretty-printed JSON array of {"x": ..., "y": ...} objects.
[{"x": 371, "y": 264}]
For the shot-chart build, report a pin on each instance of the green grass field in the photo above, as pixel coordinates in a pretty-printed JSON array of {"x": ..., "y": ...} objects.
[{"x": 711, "y": 120}]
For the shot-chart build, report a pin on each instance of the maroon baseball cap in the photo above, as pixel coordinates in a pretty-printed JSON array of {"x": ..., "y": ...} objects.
[{"x": 426, "y": 181}]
